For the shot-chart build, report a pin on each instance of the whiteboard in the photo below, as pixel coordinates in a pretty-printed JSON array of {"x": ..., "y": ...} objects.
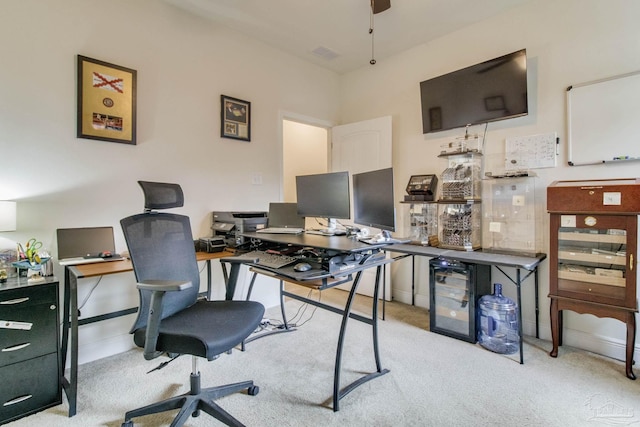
[{"x": 602, "y": 120}]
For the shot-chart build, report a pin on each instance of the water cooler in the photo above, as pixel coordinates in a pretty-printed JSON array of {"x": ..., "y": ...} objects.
[{"x": 498, "y": 322}]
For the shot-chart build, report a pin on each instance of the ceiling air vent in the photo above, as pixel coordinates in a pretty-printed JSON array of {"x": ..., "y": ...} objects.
[{"x": 325, "y": 53}]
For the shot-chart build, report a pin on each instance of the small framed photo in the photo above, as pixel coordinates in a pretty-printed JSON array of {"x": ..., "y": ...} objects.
[
  {"x": 106, "y": 101},
  {"x": 235, "y": 118}
]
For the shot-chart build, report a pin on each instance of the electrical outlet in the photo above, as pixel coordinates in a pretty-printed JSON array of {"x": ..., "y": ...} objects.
[{"x": 256, "y": 179}]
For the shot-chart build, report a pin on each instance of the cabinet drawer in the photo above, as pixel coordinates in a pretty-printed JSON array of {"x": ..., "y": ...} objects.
[
  {"x": 29, "y": 387},
  {"x": 46, "y": 293},
  {"x": 595, "y": 292},
  {"x": 41, "y": 337}
]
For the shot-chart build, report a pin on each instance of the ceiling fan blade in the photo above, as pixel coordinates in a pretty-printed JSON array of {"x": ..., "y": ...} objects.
[{"x": 380, "y": 5}]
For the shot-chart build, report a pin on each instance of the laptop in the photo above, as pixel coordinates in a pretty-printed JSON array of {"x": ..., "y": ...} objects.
[
  {"x": 283, "y": 218},
  {"x": 86, "y": 245}
]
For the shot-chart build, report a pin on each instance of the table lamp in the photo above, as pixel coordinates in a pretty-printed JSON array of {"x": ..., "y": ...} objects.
[{"x": 7, "y": 216}]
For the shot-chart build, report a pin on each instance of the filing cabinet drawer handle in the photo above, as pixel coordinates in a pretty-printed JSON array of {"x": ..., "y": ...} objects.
[
  {"x": 16, "y": 347},
  {"x": 18, "y": 400},
  {"x": 14, "y": 301}
]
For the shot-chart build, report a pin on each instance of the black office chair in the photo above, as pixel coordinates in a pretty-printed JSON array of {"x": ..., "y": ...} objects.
[{"x": 171, "y": 318}]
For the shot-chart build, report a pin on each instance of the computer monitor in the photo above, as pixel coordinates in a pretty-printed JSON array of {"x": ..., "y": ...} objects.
[
  {"x": 284, "y": 215},
  {"x": 84, "y": 241},
  {"x": 324, "y": 195},
  {"x": 373, "y": 199}
]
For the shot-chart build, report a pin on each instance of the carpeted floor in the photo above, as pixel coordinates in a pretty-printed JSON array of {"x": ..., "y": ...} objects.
[{"x": 434, "y": 380}]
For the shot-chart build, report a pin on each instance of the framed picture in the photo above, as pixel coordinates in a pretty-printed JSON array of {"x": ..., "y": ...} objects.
[
  {"x": 106, "y": 101},
  {"x": 494, "y": 103},
  {"x": 235, "y": 118}
]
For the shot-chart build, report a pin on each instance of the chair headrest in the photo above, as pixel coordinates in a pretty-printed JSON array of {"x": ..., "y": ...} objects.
[{"x": 161, "y": 195}]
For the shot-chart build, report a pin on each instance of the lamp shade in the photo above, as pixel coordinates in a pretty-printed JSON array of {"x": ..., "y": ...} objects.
[{"x": 7, "y": 216}]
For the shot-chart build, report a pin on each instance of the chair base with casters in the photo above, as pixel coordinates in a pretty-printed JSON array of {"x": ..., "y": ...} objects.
[{"x": 196, "y": 400}]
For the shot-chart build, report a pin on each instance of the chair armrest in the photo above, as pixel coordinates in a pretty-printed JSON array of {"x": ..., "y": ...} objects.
[
  {"x": 158, "y": 288},
  {"x": 164, "y": 285}
]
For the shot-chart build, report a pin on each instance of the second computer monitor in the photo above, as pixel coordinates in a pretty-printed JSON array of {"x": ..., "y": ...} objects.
[
  {"x": 373, "y": 199},
  {"x": 324, "y": 195}
]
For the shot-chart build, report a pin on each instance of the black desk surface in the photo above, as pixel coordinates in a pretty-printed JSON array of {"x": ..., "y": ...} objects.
[{"x": 334, "y": 243}]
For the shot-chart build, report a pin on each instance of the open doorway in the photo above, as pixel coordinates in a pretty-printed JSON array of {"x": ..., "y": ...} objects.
[{"x": 305, "y": 151}]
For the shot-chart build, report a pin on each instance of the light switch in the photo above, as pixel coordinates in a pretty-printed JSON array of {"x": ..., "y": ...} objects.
[{"x": 256, "y": 179}]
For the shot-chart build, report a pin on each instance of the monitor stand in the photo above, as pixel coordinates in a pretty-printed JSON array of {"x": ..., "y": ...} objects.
[{"x": 331, "y": 230}]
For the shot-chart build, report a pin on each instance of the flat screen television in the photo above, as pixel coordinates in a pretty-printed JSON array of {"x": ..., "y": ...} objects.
[
  {"x": 489, "y": 91},
  {"x": 324, "y": 195},
  {"x": 373, "y": 199}
]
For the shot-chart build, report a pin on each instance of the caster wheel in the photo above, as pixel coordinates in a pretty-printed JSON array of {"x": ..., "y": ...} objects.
[
  {"x": 253, "y": 390},
  {"x": 127, "y": 424}
]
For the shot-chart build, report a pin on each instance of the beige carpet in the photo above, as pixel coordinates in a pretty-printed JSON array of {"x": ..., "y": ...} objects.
[{"x": 434, "y": 381}]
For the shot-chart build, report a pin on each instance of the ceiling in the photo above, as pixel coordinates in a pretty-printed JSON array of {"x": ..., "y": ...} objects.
[{"x": 338, "y": 30}]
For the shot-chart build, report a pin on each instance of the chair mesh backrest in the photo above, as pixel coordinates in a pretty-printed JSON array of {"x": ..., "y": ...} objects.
[
  {"x": 161, "y": 195},
  {"x": 161, "y": 247}
]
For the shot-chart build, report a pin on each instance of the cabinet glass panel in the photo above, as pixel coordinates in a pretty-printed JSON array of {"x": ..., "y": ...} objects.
[
  {"x": 460, "y": 226},
  {"x": 592, "y": 260},
  {"x": 452, "y": 301},
  {"x": 423, "y": 219},
  {"x": 455, "y": 288}
]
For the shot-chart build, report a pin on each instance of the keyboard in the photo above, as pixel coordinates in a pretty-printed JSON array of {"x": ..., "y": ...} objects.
[
  {"x": 270, "y": 260},
  {"x": 281, "y": 230}
]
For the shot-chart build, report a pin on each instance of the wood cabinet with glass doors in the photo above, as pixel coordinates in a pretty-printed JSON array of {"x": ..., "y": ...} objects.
[{"x": 593, "y": 253}]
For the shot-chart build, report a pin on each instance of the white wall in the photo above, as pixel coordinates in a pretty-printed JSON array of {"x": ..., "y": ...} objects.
[
  {"x": 567, "y": 42},
  {"x": 184, "y": 64}
]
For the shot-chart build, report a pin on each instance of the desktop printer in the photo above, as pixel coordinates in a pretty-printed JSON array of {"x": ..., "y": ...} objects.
[{"x": 231, "y": 225}]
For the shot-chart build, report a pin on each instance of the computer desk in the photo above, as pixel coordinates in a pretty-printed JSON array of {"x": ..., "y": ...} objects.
[
  {"x": 324, "y": 280},
  {"x": 499, "y": 260},
  {"x": 70, "y": 321}
]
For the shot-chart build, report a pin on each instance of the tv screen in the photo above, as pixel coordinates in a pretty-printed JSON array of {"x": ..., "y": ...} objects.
[
  {"x": 489, "y": 91},
  {"x": 373, "y": 200},
  {"x": 324, "y": 195}
]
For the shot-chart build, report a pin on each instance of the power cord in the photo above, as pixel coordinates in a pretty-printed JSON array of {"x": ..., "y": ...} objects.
[{"x": 86, "y": 298}]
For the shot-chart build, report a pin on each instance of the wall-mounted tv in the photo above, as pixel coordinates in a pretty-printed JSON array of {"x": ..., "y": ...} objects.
[{"x": 489, "y": 91}]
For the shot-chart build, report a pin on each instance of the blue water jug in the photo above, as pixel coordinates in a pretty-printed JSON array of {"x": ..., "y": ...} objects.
[{"x": 498, "y": 322}]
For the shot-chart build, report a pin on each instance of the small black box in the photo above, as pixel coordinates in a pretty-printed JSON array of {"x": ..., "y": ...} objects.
[{"x": 211, "y": 244}]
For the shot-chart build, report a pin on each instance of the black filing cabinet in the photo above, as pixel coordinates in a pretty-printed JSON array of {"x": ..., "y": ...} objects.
[
  {"x": 29, "y": 348},
  {"x": 455, "y": 288}
]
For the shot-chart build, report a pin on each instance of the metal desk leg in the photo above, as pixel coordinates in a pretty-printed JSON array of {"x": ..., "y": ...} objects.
[
  {"x": 70, "y": 322},
  {"x": 413, "y": 280},
  {"x": 384, "y": 292},
  {"x": 337, "y": 393},
  {"x": 232, "y": 281},
  {"x": 518, "y": 283},
  {"x": 535, "y": 278}
]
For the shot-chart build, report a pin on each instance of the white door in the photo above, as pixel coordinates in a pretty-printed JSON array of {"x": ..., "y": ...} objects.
[{"x": 361, "y": 147}]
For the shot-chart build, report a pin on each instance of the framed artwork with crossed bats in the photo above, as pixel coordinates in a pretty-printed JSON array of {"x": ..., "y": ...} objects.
[{"x": 106, "y": 101}]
